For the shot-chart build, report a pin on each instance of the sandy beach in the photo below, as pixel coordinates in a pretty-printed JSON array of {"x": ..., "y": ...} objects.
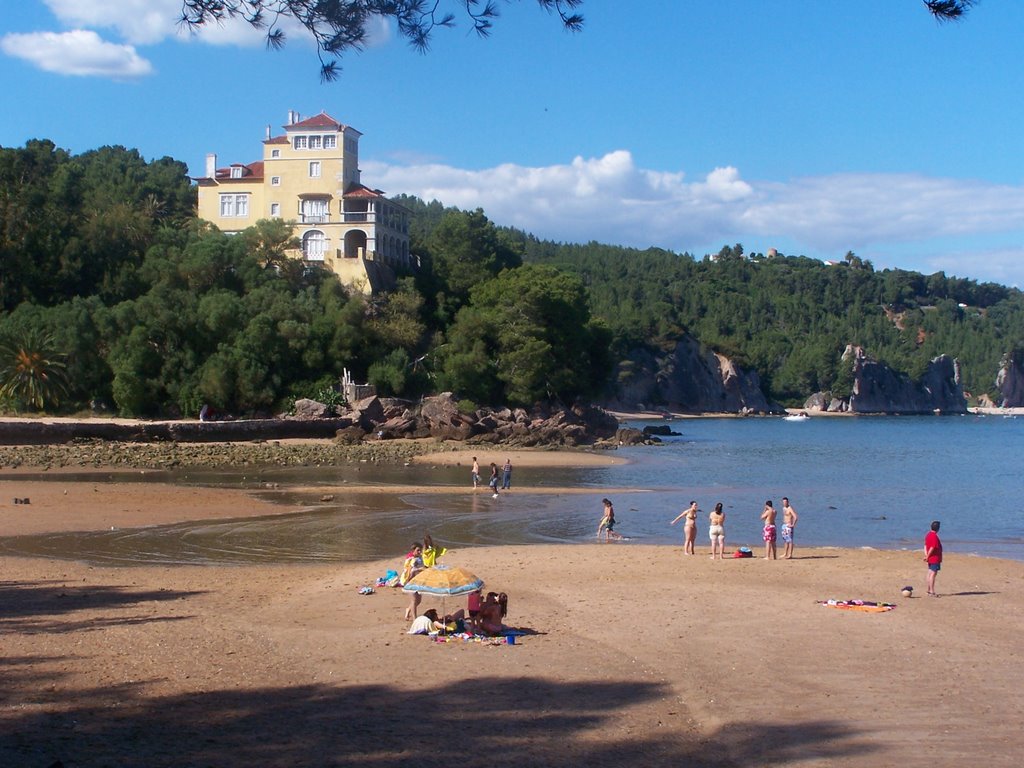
[{"x": 633, "y": 655}]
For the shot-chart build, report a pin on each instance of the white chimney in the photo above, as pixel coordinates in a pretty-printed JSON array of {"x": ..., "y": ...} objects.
[
  {"x": 268, "y": 131},
  {"x": 211, "y": 165}
]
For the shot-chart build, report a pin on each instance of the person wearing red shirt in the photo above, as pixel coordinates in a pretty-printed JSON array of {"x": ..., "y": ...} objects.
[{"x": 933, "y": 555}]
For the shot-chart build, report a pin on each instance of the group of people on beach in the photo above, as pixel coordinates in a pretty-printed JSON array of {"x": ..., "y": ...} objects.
[
  {"x": 502, "y": 476},
  {"x": 482, "y": 615},
  {"x": 716, "y": 529}
]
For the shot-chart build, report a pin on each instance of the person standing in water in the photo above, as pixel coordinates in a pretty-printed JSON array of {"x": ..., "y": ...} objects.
[
  {"x": 769, "y": 535},
  {"x": 607, "y": 523},
  {"x": 493, "y": 482},
  {"x": 689, "y": 527},
  {"x": 506, "y": 475},
  {"x": 789, "y": 518},
  {"x": 476, "y": 473},
  {"x": 716, "y": 529}
]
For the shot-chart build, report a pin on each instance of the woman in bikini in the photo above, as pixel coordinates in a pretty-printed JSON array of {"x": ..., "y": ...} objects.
[
  {"x": 769, "y": 535},
  {"x": 716, "y": 530},
  {"x": 689, "y": 527}
]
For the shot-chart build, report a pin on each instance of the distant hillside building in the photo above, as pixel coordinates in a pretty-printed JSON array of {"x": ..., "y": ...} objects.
[{"x": 310, "y": 176}]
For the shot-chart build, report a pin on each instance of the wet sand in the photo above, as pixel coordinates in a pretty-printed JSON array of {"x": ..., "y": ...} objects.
[{"x": 632, "y": 656}]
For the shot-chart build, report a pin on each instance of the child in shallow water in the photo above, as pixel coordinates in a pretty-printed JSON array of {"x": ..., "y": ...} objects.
[{"x": 607, "y": 523}]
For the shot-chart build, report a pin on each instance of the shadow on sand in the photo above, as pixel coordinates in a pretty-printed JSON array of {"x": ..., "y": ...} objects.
[{"x": 485, "y": 720}]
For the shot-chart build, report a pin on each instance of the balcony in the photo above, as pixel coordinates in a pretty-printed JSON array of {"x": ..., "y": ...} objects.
[{"x": 314, "y": 218}]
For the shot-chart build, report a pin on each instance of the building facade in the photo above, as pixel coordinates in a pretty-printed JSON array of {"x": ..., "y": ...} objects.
[{"x": 310, "y": 176}]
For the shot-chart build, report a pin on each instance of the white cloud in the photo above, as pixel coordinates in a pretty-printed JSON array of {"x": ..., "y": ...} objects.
[
  {"x": 79, "y": 52},
  {"x": 141, "y": 22},
  {"x": 610, "y": 200}
]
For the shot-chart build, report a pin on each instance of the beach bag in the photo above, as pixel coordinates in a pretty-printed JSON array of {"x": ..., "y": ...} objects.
[{"x": 743, "y": 552}]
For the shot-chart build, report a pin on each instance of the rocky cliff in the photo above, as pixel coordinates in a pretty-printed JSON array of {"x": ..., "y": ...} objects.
[
  {"x": 1010, "y": 382},
  {"x": 877, "y": 388},
  {"x": 690, "y": 378}
]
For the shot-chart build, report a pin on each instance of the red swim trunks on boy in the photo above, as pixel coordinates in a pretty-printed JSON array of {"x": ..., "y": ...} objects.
[{"x": 769, "y": 533}]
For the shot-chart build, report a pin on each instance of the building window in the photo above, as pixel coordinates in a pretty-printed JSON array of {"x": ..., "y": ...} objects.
[
  {"x": 315, "y": 141},
  {"x": 330, "y": 141},
  {"x": 314, "y": 169},
  {"x": 275, "y": 181},
  {"x": 275, "y": 153},
  {"x": 299, "y": 142},
  {"x": 314, "y": 245},
  {"x": 236, "y": 172},
  {"x": 275, "y": 210},
  {"x": 315, "y": 211},
  {"x": 234, "y": 206}
]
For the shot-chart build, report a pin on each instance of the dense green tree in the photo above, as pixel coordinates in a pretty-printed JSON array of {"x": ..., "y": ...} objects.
[
  {"x": 527, "y": 336},
  {"x": 465, "y": 249}
]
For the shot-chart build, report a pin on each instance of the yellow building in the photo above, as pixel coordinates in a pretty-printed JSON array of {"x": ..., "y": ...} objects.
[{"x": 310, "y": 176}]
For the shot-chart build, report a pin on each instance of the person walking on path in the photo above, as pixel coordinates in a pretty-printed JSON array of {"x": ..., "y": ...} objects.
[
  {"x": 607, "y": 523},
  {"x": 769, "y": 534},
  {"x": 933, "y": 556},
  {"x": 789, "y": 518},
  {"x": 506, "y": 475},
  {"x": 689, "y": 527},
  {"x": 716, "y": 529}
]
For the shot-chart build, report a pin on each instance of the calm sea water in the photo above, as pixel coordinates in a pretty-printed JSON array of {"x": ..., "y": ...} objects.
[{"x": 856, "y": 482}]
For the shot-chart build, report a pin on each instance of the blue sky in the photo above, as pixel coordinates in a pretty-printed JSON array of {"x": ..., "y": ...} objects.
[{"x": 813, "y": 127}]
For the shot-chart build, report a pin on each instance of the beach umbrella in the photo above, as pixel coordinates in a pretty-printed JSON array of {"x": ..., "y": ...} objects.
[{"x": 444, "y": 581}]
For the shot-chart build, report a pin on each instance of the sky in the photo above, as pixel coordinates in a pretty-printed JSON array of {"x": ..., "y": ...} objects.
[{"x": 813, "y": 127}]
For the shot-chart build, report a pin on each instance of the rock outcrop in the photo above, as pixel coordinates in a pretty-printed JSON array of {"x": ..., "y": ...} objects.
[
  {"x": 877, "y": 388},
  {"x": 689, "y": 378},
  {"x": 1010, "y": 382},
  {"x": 380, "y": 418},
  {"x": 440, "y": 417}
]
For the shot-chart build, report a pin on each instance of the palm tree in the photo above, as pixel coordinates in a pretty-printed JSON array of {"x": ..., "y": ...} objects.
[{"x": 32, "y": 371}]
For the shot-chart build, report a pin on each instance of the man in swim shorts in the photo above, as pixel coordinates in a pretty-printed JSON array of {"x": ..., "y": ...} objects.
[
  {"x": 789, "y": 518},
  {"x": 933, "y": 556},
  {"x": 768, "y": 515}
]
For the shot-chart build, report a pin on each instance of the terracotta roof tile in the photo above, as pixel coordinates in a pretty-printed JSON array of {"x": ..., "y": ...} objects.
[{"x": 323, "y": 120}]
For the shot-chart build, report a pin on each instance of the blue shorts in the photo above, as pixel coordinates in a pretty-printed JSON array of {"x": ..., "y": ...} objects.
[{"x": 935, "y": 567}]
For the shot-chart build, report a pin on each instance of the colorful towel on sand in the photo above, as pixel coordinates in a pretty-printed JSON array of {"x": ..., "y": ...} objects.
[{"x": 867, "y": 606}]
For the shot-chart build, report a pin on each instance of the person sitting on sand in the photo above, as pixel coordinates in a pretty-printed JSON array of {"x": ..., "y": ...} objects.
[
  {"x": 716, "y": 529},
  {"x": 430, "y": 623},
  {"x": 689, "y": 527},
  {"x": 426, "y": 623},
  {"x": 607, "y": 523},
  {"x": 494, "y": 609},
  {"x": 769, "y": 535}
]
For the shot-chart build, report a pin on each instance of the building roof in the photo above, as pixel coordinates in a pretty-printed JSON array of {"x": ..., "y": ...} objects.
[
  {"x": 277, "y": 140},
  {"x": 358, "y": 190},
  {"x": 323, "y": 120},
  {"x": 250, "y": 172}
]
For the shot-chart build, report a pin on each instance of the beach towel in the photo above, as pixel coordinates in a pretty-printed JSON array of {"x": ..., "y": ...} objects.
[
  {"x": 868, "y": 606},
  {"x": 431, "y": 555}
]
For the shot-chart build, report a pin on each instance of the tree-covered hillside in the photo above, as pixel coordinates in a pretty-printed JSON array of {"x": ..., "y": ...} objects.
[{"x": 112, "y": 292}]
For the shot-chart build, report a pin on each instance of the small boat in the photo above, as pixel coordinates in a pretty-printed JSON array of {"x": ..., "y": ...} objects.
[{"x": 797, "y": 417}]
